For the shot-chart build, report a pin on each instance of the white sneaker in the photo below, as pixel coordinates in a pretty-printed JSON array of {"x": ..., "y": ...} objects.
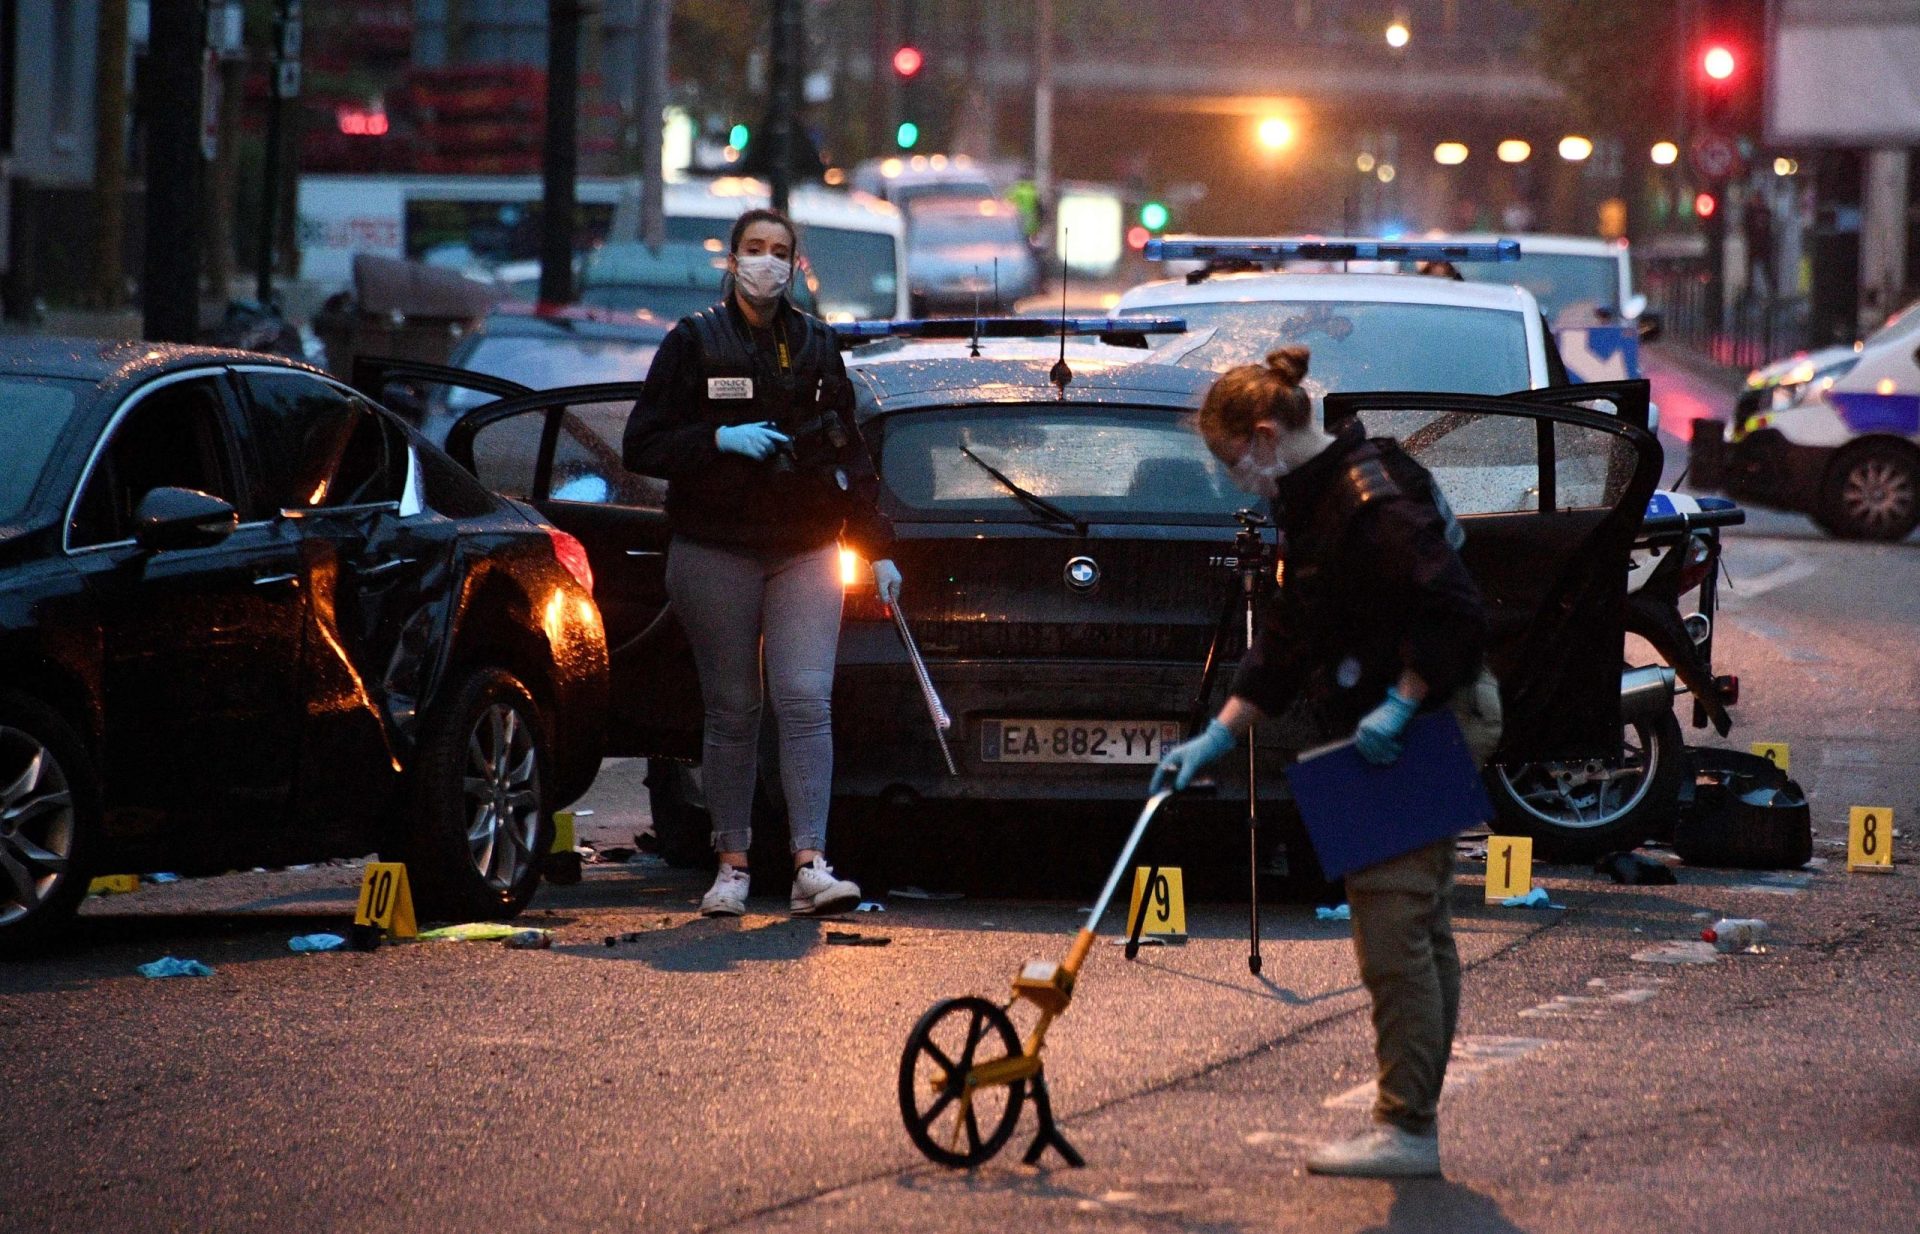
[
  {"x": 728, "y": 895},
  {"x": 1383, "y": 1152},
  {"x": 818, "y": 892}
]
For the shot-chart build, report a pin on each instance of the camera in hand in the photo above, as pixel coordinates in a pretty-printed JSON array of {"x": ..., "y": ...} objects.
[{"x": 819, "y": 436}]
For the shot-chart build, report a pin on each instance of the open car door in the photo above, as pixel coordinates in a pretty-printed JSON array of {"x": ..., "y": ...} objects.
[
  {"x": 559, "y": 451},
  {"x": 1551, "y": 498}
]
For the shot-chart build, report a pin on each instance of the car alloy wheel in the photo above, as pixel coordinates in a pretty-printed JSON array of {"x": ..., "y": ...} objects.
[
  {"x": 37, "y": 825},
  {"x": 502, "y": 786},
  {"x": 1878, "y": 496},
  {"x": 1581, "y": 809}
]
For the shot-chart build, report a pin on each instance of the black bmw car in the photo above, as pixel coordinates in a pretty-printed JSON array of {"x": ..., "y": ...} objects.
[
  {"x": 1070, "y": 566},
  {"x": 248, "y": 617}
]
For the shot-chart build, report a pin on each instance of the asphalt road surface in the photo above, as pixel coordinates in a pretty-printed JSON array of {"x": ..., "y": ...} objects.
[{"x": 699, "y": 1075}]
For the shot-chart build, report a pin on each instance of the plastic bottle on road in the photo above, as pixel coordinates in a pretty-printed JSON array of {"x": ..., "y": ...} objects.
[{"x": 1735, "y": 933}]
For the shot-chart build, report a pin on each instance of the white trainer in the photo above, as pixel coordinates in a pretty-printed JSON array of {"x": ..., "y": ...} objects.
[
  {"x": 819, "y": 892},
  {"x": 728, "y": 895},
  {"x": 1385, "y": 1151}
]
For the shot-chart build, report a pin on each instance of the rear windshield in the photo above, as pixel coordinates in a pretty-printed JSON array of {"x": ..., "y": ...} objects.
[
  {"x": 1368, "y": 345},
  {"x": 33, "y": 414},
  {"x": 1557, "y": 280},
  {"x": 548, "y": 361},
  {"x": 1102, "y": 464}
]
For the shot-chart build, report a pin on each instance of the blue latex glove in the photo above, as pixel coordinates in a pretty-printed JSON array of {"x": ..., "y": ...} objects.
[
  {"x": 1186, "y": 760},
  {"x": 886, "y": 581},
  {"x": 1378, "y": 736},
  {"x": 755, "y": 441}
]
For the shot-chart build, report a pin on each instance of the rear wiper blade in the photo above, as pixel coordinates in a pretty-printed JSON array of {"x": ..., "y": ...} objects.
[{"x": 1033, "y": 501}]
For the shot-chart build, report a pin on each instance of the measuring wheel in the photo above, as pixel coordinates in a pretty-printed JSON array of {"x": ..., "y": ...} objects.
[{"x": 948, "y": 1118}]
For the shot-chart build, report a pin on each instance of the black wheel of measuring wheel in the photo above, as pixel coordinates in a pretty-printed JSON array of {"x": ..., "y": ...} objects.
[
  {"x": 478, "y": 827},
  {"x": 49, "y": 821},
  {"x": 1872, "y": 492},
  {"x": 1580, "y": 810},
  {"x": 951, "y": 1039}
]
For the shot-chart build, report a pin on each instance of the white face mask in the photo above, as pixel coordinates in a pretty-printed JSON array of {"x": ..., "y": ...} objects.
[
  {"x": 762, "y": 277},
  {"x": 1250, "y": 475}
]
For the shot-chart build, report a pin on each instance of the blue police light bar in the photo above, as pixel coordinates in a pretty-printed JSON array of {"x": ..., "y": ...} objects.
[
  {"x": 1004, "y": 327},
  {"x": 1200, "y": 248}
]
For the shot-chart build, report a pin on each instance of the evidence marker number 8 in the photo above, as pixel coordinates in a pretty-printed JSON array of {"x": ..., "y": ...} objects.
[{"x": 1870, "y": 839}]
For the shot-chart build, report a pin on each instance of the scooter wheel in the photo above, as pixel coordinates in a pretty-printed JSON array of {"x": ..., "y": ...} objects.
[{"x": 949, "y": 1121}]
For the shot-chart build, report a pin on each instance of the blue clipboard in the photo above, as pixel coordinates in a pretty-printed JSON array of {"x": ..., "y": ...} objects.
[{"x": 1358, "y": 814}]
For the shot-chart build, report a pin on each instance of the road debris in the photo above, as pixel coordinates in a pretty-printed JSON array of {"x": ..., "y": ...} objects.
[
  {"x": 168, "y": 966},
  {"x": 470, "y": 932},
  {"x": 1736, "y": 934},
  {"x": 1537, "y": 898},
  {"x": 1342, "y": 913},
  {"x": 846, "y": 938},
  {"x": 1634, "y": 870},
  {"x": 869, "y": 906},
  {"x": 316, "y": 942},
  {"x": 529, "y": 940},
  {"x": 921, "y": 893}
]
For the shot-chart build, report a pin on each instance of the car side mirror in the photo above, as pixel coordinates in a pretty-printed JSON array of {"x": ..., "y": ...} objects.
[
  {"x": 1636, "y": 304},
  {"x": 175, "y": 518},
  {"x": 1651, "y": 326}
]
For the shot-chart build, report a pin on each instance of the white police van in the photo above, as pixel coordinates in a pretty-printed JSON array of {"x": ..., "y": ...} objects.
[{"x": 1842, "y": 447}]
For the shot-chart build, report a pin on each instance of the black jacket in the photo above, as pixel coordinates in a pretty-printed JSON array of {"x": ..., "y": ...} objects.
[
  {"x": 713, "y": 370},
  {"x": 1369, "y": 587}
]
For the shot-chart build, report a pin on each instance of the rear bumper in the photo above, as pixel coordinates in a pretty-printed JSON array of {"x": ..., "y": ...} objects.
[
  {"x": 885, "y": 749},
  {"x": 1766, "y": 469}
]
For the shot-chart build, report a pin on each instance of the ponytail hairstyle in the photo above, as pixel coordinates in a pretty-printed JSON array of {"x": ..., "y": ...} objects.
[{"x": 1251, "y": 394}]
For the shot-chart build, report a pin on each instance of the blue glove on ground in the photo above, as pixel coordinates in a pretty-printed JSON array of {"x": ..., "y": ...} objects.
[
  {"x": 1378, "y": 736},
  {"x": 886, "y": 581},
  {"x": 1186, "y": 760},
  {"x": 755, "y": 441}
]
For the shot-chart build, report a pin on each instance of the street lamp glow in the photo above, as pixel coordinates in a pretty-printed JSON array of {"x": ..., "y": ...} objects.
[
  {"x": 1364, "y": 163},
  {"x": 1665, "y": 153},
  {"x": 1276, "y": 133},
  {"x": 1398, "y": 35},
  {"x": 1785, "y": 166},
  {"x": 1386, "y": 173},
  {"x": 1575, "y": 149},
  {"x": 1450, "y": 153},
  {"x": 1718, "y": 63},
  {"x": 1513, "y": 150}
]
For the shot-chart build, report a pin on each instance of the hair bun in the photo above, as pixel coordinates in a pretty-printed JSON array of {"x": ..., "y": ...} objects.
[{"x": 1289, "y": 363}]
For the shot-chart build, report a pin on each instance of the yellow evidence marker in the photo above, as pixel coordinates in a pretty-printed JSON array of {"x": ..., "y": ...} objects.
[
  {"x": 1774, "y": 752},
  {"x": 1870, "y": 839},
  {"x": 1509, "y": 867},
  {"x": 1166, "y": 904},
  {"x": 563, "y": 837},
  {"x": 113, "y": 884},
  {"x": 386, "y": 900}
]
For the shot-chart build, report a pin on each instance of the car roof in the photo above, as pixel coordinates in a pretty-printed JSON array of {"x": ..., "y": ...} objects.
[
  {"x": 521, "y": 320},
  {"x": 109, "y": 361},
  {"x": 1256, "y": 286},
  {"x": 940, "y": 382},
  {"x": 1573, "y": 246}
]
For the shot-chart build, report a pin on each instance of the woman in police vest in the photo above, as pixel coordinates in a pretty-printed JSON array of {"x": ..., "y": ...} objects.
[{"x": 748, "y": 416}]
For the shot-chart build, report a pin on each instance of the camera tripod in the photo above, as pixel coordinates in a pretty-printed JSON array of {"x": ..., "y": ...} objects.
[{"x": 1250, "y": 561}]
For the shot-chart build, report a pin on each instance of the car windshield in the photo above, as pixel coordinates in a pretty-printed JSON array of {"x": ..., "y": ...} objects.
[
  {"x": 33, "y": 414},
  {"x": 945, "y": 228},
  {"x": 547, "y": 361},
  {"x": 857, "y": 271},
  {"x": 1558, "y": 280},
  {"x": 1102, "y": 464},
  {"x": 1367, "y": 345},
  {"x": 667, "y": 303}
]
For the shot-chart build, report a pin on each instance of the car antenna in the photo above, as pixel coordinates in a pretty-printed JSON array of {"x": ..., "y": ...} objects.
[
  {"x": 974, "y": 346},
  {"x": 1346, "y": 212},
  {"x": 997, "y": 307},
  {"x": 1060, "y": 374}
]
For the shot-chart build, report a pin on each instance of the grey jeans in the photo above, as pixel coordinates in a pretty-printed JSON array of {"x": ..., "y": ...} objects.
[{"x": 734, "y": 603}]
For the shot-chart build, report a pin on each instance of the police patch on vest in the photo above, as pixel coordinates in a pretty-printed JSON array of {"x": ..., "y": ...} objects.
[{"x": 729, "y": 387}]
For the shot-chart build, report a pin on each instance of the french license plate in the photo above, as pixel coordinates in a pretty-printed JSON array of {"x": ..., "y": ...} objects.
[{"x": 1076, "y": 741}]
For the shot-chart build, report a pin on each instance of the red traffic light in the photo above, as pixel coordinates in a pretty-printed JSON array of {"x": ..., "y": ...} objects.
[
  {"x": 908, "y": 60},
  {"x": 1704, "y": 204},
  {"x": 1718, "y": 61}
]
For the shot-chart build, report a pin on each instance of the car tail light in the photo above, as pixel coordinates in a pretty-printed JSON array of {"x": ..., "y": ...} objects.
[
  {"x": 572, "y": 554},
  {"x": 1729, "y": 687},
  {"x": 859, "y": 601}
]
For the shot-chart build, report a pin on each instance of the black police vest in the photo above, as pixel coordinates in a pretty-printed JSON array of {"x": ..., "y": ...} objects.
[{"x": 743, "y": 384}]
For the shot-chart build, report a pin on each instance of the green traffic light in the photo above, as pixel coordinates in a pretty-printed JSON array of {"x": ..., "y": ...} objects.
[
  {"x": 908, "y": 136},
  {"x": 737, "y": 136},
  {"x": 1153, "y": 216}
]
